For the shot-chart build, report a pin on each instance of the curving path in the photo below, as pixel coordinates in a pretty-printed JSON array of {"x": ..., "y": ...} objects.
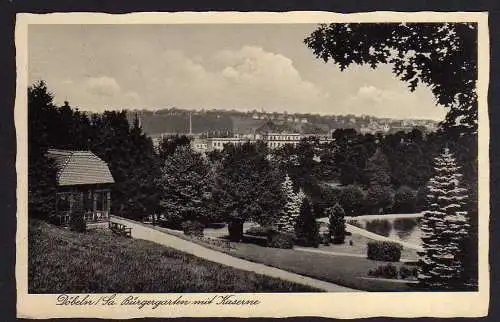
[{"x": 141, "y": 232}]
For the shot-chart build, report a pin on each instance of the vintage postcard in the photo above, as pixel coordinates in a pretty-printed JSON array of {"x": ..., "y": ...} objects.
[{"x": 224, "y": 164}]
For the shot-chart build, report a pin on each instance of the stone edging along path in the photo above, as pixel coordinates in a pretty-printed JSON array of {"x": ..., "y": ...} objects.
[{"x": 140, "y": 231}]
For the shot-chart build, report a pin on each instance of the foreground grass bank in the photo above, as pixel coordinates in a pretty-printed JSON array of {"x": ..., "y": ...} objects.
[{"x": 61, "y": 261}]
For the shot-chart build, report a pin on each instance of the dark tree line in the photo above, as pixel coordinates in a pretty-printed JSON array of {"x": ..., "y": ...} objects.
[
  {"x": 368, "y": 173},
  {"x": 126, "y": 149},
  {"x": 174, "y": 182}
]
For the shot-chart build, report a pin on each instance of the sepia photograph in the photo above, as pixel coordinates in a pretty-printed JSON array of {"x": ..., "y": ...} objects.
[{"x": 252, "y": 157}]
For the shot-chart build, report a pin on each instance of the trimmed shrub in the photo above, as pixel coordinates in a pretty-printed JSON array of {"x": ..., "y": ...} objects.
[
  {"x": 326, "y": 239},
  {"x": 337, "y": 224},
  {"x": 258, "y": 231},
  {"x": 277, "y": 239},
  {"x": 384, "y": 271},
  {"x": 384, "y": 251},
  {"x": 192, "y": 228},
  {"x": 306, "y": 227},
  {"x": 391, "y": 271},
  {"x": 407, "y": 273},
  {"x": 235, "y": 229}
]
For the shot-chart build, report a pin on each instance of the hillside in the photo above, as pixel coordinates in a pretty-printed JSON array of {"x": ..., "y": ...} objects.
[
  {"x": 175, "y": 120},
  {"x": 62, "y": 261}
]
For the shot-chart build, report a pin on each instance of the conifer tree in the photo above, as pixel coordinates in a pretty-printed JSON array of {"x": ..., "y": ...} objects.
[
  {"x": 444, "y": 226},
  {"x": 337, "y": 224},
  {"x": 299, "y": 198},
  {"x": 306, "y": 227},
  {"x": 291, "y": 210}
]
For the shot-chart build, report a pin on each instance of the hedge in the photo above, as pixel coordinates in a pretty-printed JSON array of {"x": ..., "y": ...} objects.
[
  {"x": 276, "y": 239},
  {"x": 192, "y": 228},
  {"x": 384, "y": 251},
  {"x": 384, "y": 271}
]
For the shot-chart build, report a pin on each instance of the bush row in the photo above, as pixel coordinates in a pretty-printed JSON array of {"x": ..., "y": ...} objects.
[
  {"x": 274, "y": 238},
  {"x": 391, "y": 271}
]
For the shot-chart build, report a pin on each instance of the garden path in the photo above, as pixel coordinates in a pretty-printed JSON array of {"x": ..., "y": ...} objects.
[{"x": 142, "y": 232}]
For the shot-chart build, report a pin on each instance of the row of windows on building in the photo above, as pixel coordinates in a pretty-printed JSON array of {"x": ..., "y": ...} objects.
[
  {"x": 220, "y": 144},
  {"x": 283, "y": 137},
  {"x": 280, "y": 144}
]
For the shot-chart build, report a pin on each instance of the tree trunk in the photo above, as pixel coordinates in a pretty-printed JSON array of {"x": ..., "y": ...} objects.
[{"x": 235, "y": 229}]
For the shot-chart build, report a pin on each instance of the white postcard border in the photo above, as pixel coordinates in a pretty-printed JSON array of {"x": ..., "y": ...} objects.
[{"x": 337, "y": 305}]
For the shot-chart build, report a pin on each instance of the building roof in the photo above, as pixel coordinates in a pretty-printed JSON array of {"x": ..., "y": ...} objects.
[{"x": 79, "y": 167}]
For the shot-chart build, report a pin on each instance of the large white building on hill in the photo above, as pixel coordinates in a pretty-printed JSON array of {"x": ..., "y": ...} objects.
[{"x": 273, "y": 140}]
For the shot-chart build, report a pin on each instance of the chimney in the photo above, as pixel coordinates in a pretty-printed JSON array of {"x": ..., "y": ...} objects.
[{"x": 190, "y": 124}]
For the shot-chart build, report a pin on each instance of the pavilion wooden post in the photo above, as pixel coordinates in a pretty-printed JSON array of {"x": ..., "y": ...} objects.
[
  {"x": 94, "y": 203},
  {"x": 108, "y": 203}
]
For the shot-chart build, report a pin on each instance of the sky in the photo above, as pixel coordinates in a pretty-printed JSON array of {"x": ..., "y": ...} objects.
[{"x": 238, "y": 66}]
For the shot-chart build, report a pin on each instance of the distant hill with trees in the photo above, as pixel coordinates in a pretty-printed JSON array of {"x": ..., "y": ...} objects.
[{"x": 174, "y": 120}]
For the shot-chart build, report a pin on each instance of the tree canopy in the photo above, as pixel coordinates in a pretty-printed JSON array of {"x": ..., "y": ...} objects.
[
  {"x": 184, "y": 186},
  {"x": 247, "y": 186},
  {"x": 128, "y": 152},
  {"x": 442, "y": 56}
]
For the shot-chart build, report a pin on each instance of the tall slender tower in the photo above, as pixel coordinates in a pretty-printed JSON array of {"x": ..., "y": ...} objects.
[{"x": 190, "y": 124}]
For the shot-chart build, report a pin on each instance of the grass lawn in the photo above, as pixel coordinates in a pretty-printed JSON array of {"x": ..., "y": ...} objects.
[
  {"x": 359, "y": 247},
  {"x": 61, "y": 261},
  {"x": 342, "y": 270}
]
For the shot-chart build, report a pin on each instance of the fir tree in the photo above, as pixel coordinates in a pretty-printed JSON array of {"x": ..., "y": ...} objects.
[
  {"x": 337, "y": 224},
  {"x": 299, "y": 198},
  {"x": 445, "y": 226},
  {"x": 144, "y": 169},
  {"x": 42, "y": 183},
  {"x": 291, "y": 210},
  {"x": 306, "y": 227}
]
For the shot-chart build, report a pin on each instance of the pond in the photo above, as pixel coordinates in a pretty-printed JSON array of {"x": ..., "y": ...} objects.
[{"x": 403, "y": 229}]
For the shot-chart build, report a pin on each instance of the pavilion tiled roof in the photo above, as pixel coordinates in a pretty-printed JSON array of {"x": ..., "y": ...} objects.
[{"x": 79, "y": 167}]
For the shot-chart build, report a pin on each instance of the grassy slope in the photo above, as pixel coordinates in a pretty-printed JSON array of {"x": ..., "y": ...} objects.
[{"x": 64, "y": 261}]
